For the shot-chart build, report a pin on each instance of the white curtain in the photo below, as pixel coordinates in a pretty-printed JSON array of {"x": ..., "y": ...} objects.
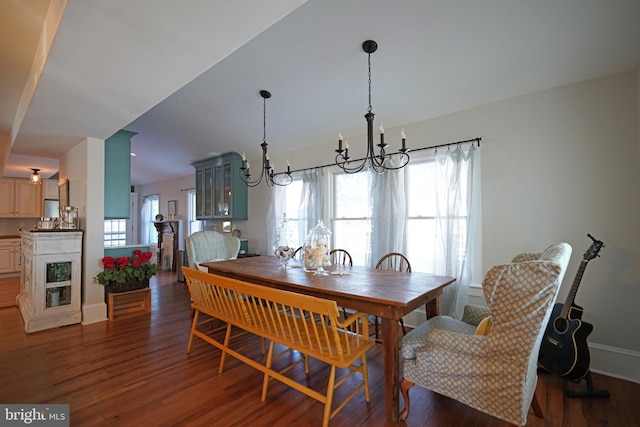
[
  {"x": 389, "y": 212},
  {"x": 454, "y": 218},
  {"x": 277, "y": 205},
  {"x": 312, "y": 201}
]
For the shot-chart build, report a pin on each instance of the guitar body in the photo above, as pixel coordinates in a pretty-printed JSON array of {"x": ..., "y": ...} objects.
[{"x": 564, "y": 350}]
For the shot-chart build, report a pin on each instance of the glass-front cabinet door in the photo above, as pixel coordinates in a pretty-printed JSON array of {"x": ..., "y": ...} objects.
[
  {"x": 204, "y": 196},
  {"x": 58, "y": 284},
  {"x": 222, "y": 190}
]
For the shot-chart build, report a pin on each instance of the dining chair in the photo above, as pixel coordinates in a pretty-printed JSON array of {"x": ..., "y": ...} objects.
[
  {"x": 341, "y": 257},
  {"x": 393, "y": 261},
  {"x": 297, "y": 254}
]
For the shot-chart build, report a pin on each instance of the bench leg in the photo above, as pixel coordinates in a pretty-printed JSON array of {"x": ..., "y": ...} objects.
[
  {"x": 365, "y": 376},
  {"x": 193, "y": 329},
  {"x": 265, "y": 381},
  {"x": 329, "y": 397},
  {"x": 223, "y": 356}
]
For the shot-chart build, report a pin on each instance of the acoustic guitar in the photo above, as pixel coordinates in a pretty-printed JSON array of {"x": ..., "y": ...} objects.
[{"x": 564, "y": 350}]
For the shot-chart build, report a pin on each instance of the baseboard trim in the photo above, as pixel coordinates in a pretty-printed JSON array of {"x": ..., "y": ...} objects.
[
  {"x": 94, "y": 313},
  {"x": 615, "y": 362}
]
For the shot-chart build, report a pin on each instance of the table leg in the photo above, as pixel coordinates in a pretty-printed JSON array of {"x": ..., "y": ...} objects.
[
  {"x": 432, "y": 308},
  {"x": 391, "y": 357}
]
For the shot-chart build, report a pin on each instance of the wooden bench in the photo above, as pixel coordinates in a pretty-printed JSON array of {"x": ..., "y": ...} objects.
[{"x": 307, "y": 324}]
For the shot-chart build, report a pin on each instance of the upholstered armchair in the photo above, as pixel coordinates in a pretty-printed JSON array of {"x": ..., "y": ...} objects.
[
  {"x": 208, "y": 245},
  {"x": 494, "y": 373}
]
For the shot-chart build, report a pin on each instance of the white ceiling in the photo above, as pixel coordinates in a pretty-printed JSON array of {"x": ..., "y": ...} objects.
[{"x": 186, "y": 75}]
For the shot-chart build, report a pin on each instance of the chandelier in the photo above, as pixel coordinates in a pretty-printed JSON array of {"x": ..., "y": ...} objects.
[
  {"x": 377, "y": 162},
  {"x": 266, "y": 171}
]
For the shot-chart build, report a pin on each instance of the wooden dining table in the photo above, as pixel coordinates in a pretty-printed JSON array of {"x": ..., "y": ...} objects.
[{"x": 387, "y": 294}]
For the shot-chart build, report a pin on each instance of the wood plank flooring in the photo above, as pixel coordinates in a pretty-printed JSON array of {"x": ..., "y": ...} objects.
[
  {"x": 135, "y": 371},
  {"x": 9, "y": 290}
]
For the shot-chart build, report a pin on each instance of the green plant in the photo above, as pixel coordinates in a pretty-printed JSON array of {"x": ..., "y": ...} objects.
[{"x": 126, "y": 269}]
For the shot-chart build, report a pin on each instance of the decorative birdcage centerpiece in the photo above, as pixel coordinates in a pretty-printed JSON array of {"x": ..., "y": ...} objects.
[
  {"x": 281, "y": 247},
  {"x": 316, "y": 250}
]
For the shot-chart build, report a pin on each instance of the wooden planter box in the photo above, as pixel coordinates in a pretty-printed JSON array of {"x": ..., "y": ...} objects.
[{"x": 123, "y": 303}]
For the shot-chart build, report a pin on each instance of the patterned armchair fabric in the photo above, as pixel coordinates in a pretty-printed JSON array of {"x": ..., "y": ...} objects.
[
  {"x": 496, "y": 373},
  {"x": 207, "y": 245}
]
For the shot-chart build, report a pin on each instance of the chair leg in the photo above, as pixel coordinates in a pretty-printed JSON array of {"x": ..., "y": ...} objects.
[
  {"x": 376, "y": 327},
  {"x": 535, "y": 405},
  {"x": 405, "y": 385},
  {"x": 404, "y": 331}
]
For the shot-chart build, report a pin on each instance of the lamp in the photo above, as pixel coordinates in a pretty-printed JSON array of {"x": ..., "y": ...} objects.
[
  {"x": 266, "y": 172},
  {"x": 375, "y": 161},
  {"x": 35, "y": 179}
]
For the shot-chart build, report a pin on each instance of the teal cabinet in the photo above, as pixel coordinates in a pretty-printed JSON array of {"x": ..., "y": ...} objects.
[
  {"x": 220, "y": 193},
  {"x": 117, "y": 175}
]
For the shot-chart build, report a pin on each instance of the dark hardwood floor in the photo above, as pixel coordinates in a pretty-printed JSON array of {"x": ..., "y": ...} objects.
[{"x": 135, "y": 372}]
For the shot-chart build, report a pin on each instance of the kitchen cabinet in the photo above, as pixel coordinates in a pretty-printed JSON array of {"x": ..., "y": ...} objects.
[
  {"x": 50, "y": 279},
  {"x": 117, "y": 175},
  {"x": 220, "y": 193},
  {"x": 9, "y": 255},
  {"x": 50, "y": 189},
  {"x": 20, "y": 199}
]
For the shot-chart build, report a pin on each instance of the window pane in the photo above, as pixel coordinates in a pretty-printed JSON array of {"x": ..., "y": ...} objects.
[
  {"x": 352, "y": 193},
  {"x": 194, "y": 224},
  {"x": 353, "y": 236},
  {"x": 421, "y": 189},
  {"x": 115, "y": 232},
  {"x": 293, "y": 193},
  {"x": 421, "y": 241},
  {"x": 352, "y": 214}
]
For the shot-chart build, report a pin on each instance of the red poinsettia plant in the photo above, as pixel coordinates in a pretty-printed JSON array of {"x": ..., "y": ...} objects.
[{"x": 126, "y": 269}]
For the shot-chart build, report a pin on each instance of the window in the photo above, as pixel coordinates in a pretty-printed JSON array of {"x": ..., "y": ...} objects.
[
  {"x": 351, "y": 214},
  {"x": 115, "y": 232},
  {"x": 194, "y": 224},
  {"x": 150, "y": 208}
]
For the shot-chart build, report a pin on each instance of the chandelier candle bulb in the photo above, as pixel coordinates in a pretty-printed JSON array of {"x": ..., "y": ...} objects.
[
  {"x": 404, "y": 140},
  {"x": 288, "y": 167}
]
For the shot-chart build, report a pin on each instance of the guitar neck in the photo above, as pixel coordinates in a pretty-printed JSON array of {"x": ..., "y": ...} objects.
[{"x": 574, "y": 289}]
